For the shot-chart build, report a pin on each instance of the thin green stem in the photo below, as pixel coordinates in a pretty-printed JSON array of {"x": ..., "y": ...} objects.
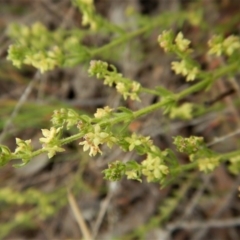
[
  {"x": 154, "y": 23},
  {"x": 226, "y": 156},
  {"x": 148, "y": 109},
  {"x": 38, "y": 152},
  {"x": 121, "y": 117},
  {"x": 196, "y": 87},
  {"x": 120, "y": 40},
  {"x": 150, "y": 91},
  {"x": 193, "y": 165},
  {"x": 224, "y": 70},
  {"x": 72, "y": 138}
]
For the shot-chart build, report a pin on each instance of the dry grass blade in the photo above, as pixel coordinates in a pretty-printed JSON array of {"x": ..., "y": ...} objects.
[
  {"x": 101, "y": 214},
  {"x": 78, "y": 216},
  {"x": 21, "y": 101}
]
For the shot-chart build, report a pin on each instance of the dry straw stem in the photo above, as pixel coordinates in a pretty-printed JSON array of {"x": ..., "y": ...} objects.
[
  {"x": 20, "y": 103},
  {"x": 101, "y": 214},
  {"x": 78, "y": 216},
  {"x": 205, "y": 225}
]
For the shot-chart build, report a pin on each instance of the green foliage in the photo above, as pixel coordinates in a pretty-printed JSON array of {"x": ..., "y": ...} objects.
[
  {"x": 39, "y": 205},
  {"x": 45, "y": 50}
]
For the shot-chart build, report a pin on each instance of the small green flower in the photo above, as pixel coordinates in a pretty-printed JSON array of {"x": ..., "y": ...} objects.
[
  {"x": 185, "y": 69},
  {"x": 93, "y": 139},
  {"x": 234, "y": 166},
  {"x": 122, "y": 89},
  {"x": 94, "y": 149},
  {"x": 192, "y": 74},
  {"x": 99, "y": 136},
  {"x": 160, "y": 170},
  {"x": 103, "y": 112},
  {"x": 50, "y": 135},
  {"x": 52, "y": 150},
  {"x": 109, "y": 81},
  {"x": 183, "y": 112},
  {"x": 189, "y": 145},
  {"x": 88, "y": 13},
  {"x": 51, "y": 142},
  {"x": 154, "y": 168},
  {"x": 17, "y": 54},
  {"x": 134, "y": 91},
  {"x": 115, "y": 171},
  {"x": 208, "y": 164},
  {"x": 228, "y": 46},
  {"x": 59, "y": 117},
  {"x": 126, "y": 87},
  {"x": 23, "y": 146},
  {"x": 97, "y": 68},
  {"x": 65, "y": 116},
  {"x": 133, "y": 175},
  {"x": 41, "y": 61},
  {"x": 215, "y": 45},
  {"x": 180, "y": 67},
  {"x": 23, "y": 150},
  {"x": 231, "y": 44},
  {"x": 166, "y": 40},
  {"x": 5, "y": 155},
  {"x": 181, "y": 42},
  {"x": 133, "y": 141}
]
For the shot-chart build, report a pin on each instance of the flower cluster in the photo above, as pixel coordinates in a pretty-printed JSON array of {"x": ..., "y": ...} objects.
[
  {"x": 186, "y": 69},
  {"x": 23, "y": 150},
  {"x": 31, "y": 196},
  {"x": 234, "y": 166},
  {"x": 181, "y": 42},
  {"x": 183, "y": 112},
  {"x": 51, "y": 141},
  {"x": 65, "y": 116},
  {"x": 37, "y": 36},
  {"x": 103, "y": 112},
  {"x": 153, "y": 167},
  {"x": 198, "y": 152},
  {"x": 208, "y": 164},
  {"x": 218, "y": 45},
  {"x": 5, "y": 155},
  {"x": 45, "y": 49},
  {"x": 138, "y": 142},
  {"x": 130, "y": 89},
  {"x": 88, "y": 11},
  {"x": 43, "y": 60},
  {"x": 115, "y": 171},
  {"x": 166, "y": 40},
  {"x": 96, "y": 137},
  {"x": 189, "y": 145},
  {"x": 126, "y": 87},
  {"x": 34, "y": 47},
  {"x": 99, "y": 69},
  {"x": 180, "y": 46}
]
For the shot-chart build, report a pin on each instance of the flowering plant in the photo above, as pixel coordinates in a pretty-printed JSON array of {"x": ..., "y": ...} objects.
[{"x": 46, "y": 50}]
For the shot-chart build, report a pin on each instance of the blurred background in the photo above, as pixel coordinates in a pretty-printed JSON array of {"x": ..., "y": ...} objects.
[{"x": 34, "y": 200}]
